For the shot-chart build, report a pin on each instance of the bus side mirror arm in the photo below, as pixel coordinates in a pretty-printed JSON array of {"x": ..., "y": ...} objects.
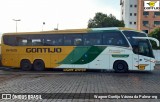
[{"x": 149, "y": 38}]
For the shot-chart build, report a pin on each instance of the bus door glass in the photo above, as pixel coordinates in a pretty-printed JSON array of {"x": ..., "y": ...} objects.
[{"x": 143, "y": 55}]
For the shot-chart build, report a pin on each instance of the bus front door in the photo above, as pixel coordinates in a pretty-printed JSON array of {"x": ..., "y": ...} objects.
[{"x": 143, "y": 56}]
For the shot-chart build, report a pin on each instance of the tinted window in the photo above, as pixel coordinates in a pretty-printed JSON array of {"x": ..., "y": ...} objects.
[
  {"x": 114, "y": 38},
  {"x": 30, "y": 40},
  {"x": 92, "y": 39},
  {"x": 73, "y": 39},
  {"x": 140, "y": 46},
  {"x": 33, "y": 40},
  {"x": 53, "y": 40},
  {"x": 23, "y": 41},
  {"x": 131, "y": 34},
  {"x": 143, "y": 48},
  {"x": 89, "y": 39},
  {"x": 10, "y": 40}
]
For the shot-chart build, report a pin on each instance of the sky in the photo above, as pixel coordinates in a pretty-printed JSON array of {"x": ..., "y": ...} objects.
[{"x": 67, "y": 14}]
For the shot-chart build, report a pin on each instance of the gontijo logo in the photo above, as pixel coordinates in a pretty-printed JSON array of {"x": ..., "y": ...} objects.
[
  {"x": 152, "y": 3},
  {"x": 151, "y": 6}
]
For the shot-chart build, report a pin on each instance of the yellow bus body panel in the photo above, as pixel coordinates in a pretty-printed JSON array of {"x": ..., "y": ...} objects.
[{"x": 14, "y": 55}]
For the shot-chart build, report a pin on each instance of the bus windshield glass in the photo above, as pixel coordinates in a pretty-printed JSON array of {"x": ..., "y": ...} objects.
[{"x": 140, "y": 46}]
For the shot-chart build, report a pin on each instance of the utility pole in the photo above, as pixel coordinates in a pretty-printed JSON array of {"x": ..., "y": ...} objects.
[
  {"x": 57, "y": 27},
  {"x": 16, "y": 20},
  {"x": 43, "y": 25}
]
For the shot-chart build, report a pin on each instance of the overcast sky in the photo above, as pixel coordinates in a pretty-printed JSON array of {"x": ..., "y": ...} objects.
[{"x": 68, "y": 14}]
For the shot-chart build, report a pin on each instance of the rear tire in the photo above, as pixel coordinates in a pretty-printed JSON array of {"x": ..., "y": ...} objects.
[
  {"x": 38, "y": 65},
  {"x": 120, "y": 66},
  {"x": 26, "y": 65}
]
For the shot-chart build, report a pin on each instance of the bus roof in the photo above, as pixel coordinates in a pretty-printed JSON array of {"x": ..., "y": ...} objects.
[{"x": 72, "y": 31}]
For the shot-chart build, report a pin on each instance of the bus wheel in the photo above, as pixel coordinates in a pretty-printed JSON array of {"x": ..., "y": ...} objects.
[
  {"x": 120, "y": 66},
  {"x": 25, "y": 65},
  {"x": 38, "y": 65}
]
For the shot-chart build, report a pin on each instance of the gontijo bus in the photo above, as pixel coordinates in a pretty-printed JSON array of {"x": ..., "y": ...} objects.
[{"x": 120, "y": 49}]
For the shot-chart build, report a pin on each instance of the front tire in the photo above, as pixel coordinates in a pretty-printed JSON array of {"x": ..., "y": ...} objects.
[
  {"x": 120, "y": 66},
  {"x": 38, "y": 65}
]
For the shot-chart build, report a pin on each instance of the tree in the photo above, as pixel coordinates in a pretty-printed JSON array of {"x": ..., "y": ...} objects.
[
  {"x": 155, "y": 34},
  {"x": 103, "y": 20}
]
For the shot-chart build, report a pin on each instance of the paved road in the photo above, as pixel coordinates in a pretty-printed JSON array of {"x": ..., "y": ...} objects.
[{"x": 16, "y": 81}]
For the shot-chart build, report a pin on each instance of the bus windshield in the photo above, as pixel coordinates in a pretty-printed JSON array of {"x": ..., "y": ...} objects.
[{"x": 140, "y": 46}]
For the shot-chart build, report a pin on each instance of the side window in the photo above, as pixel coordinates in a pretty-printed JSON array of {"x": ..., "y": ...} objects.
[
  {"x": 143, "y": 48},
  {"x": 48, "y": 42},
  {"x": 29, "y": 40},
  {"x": 77, "y": 40},
  {"x": 37, "y": 42},
  {"x": 22, "y": 41},
  {"x": 10, "y": 40},
  {"x": 114, "y": 38},
  {"x": 53, "y": 40},
  {"x": 73, "y": 39},
  {"x": 34, "y": 40},
  {"x": 92, "y": 39},
  {"x": 68, "y": 40}
]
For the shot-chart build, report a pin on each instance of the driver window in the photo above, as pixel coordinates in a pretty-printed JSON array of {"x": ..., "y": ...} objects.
[{"x": 143, "y": 48}]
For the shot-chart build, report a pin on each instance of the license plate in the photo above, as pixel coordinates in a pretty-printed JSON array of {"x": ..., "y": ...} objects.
[{"x": 141, "y": 67}]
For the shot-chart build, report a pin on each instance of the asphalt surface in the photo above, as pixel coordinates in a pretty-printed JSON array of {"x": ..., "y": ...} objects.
[{"x": 84, "y": 85}]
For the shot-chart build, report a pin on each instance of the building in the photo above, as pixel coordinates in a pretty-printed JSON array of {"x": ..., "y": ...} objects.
[
  {"x": 141, "y": 14},
  {"x": 129, "y": 13}
]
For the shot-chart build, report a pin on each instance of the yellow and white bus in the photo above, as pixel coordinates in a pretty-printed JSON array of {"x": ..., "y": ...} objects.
[{"x": 115, "y": 48}]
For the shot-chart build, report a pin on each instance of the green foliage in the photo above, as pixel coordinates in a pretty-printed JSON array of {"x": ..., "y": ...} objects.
[
  {"x": 155, "y": 34},
  {"x": 103, "y": 20}
]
